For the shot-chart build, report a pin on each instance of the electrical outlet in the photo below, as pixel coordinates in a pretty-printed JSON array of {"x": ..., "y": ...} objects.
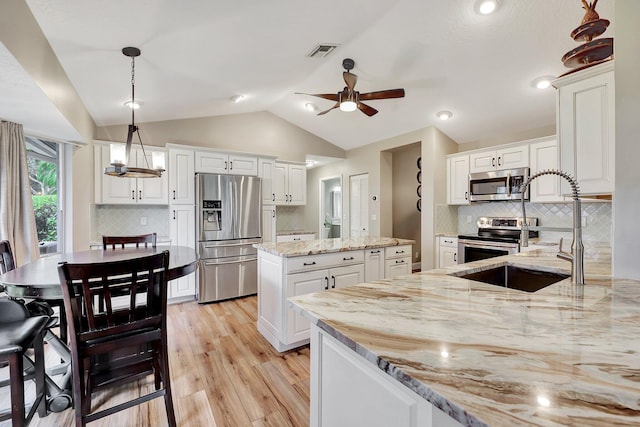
[
  {"x": 143, "y": 220},
  {"x": 468, "y": 219},
  {"x": 417, "y": 255}
]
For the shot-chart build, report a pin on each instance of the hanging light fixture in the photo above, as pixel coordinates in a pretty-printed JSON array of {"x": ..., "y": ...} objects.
[{"x": 120, "y": 152}]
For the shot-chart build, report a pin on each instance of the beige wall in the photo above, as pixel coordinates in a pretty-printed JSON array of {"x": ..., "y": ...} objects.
[
  {"x": 405, "y": 216},
  {"x": 259, "y": 133}
]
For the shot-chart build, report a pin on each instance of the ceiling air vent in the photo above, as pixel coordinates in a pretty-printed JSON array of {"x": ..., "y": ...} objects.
[{"x": 321, "y": 50}]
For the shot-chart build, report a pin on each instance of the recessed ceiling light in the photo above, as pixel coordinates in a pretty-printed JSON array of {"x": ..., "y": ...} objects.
[
  {"x": 485, "y": 7},
  {"x": 134, "y": 105},
  {"x": 542, "y": 82},
  {"x": 309, "y": 106},
  {"x": 237, "y": 98},
  {"x": 444, "y": 115},
  {"x": 310, "y": 163}
]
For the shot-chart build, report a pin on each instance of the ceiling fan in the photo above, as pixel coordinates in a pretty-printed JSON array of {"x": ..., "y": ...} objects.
[{"x": 349, "y": 99}]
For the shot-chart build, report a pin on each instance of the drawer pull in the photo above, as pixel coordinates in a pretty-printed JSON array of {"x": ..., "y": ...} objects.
[
  {"x": 309, "y": 263},
  {"x": 399, "y": 252},
  {"x": 400, "y": 261},
  {"x": 375, "y": 252},
  {"x": 455, "y": 257},
  {"x": 347, "y": 259},
  {"x": 326, "y": 287},
  {"x": 296, "y": 238},
  {"x": 334, "y": 282}
]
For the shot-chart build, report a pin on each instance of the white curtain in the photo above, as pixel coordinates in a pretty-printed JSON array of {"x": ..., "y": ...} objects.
[{"x": 17, "y": 221}]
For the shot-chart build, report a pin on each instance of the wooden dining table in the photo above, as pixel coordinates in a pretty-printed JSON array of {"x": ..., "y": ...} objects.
[{"x": 39, "y": 280}]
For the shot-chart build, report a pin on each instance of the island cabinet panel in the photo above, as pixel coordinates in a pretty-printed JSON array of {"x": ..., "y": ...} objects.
[
  {"x": 373, "y": 264},
  {"x": 347, "y": 390}
]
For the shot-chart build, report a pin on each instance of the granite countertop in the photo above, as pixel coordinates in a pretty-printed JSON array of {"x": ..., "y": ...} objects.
[
  {"x": 293, "y": 232},
  {"x": 324, "y": 246},
  {"x": 488, "y": 355}
]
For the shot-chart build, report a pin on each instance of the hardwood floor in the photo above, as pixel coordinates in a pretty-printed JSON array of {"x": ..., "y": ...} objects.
[{"x": 223, "y": 373}]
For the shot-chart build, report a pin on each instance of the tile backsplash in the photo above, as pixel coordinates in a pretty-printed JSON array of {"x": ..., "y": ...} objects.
[
  {"x": 124, "y": 220},
  {"x": 289, "y": 218}
]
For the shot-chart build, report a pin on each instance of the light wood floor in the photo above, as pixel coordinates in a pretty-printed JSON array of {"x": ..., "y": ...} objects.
[{"x": 223, "y": 373}]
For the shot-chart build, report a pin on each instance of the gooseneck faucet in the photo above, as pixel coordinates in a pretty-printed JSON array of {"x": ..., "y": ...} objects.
[{"x": 576, "y": 257}]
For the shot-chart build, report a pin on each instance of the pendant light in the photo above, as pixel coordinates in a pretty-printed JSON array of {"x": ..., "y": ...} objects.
[{"x": 120, "y": 152}]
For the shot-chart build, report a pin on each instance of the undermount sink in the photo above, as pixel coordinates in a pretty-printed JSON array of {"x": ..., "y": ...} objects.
[{"x": 522, "y": 279}]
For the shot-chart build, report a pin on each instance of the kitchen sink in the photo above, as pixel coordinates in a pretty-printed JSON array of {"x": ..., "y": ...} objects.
[{"x": 522, "y": 279}]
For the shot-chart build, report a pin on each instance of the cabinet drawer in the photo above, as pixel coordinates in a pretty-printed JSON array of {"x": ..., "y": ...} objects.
[
  {"x": 449, "y": 242},
  {"x": 295, "y": 237},
  {"x": 397, "y": 267},
  {"x": 314, "y": 262},
  {"x": 397, "y": 252}
]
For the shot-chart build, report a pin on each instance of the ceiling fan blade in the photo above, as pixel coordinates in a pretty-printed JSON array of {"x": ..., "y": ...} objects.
[
  {"x": 329, "y": 96},
  {"x": 326, "y": 111},
  {"x": 369, "y": 111},
  {"x": 382, "y": 94},
  {"x": 350, "y": 79}
]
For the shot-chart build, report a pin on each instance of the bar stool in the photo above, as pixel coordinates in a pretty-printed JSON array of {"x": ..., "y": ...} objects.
[{"x": 18, "y": 331}]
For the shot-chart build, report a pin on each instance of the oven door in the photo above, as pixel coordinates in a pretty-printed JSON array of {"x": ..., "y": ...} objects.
[{"x": 474, "y": 250}]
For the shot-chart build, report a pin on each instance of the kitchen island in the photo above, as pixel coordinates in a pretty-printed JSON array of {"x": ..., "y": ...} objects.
[
  {"x": 297, "y": 268},
  {"x": 435, "y": 349}
]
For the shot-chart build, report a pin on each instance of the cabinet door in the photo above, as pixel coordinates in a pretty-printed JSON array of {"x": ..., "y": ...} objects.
[
  {"x": 458, "y": 180},
  {"x": 447, "y": 256},
  {"x": 544, "y": 156},
  {"x": 116, "y": 190},
  {"x": 150, "y": 191},
  {"x": 341, "y": 277},
  {"x": 397, "y": 267},
  {"x": 266, "y": 170},
  {"x": 182, "y": 233},
  {"x": 268, "y": 224},
  {"x": 181, "y": 173},
  {"x": 482, "y": 162},
  {"x": 210, "y": 162},
  {"x": 512, "y": 157},
  {"x": 297, "y": 183},
  {"x": 302, "y": 284},
  {"x": 586, "y": 131},
  {"x": 373, "y": 264},
  {"x": 281, "y": 183},
  {"x": 243, "y": 165}
]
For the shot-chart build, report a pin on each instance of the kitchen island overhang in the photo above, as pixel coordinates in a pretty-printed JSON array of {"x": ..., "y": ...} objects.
[{"x": 485, "y": 355}]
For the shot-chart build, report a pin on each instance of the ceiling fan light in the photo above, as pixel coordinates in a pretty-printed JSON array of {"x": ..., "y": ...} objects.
[
  {"x": 444, "y": 115},
  {"x": 134, "y": 105},
  {"x": 348, "y": 106}
]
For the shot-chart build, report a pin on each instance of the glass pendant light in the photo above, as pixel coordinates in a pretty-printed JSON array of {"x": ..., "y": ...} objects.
[{"x": 120, "y": 153}]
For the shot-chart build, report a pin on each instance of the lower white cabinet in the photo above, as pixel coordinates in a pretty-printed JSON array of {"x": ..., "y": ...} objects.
[
  {"x": 182, "y": 233},
  {"x": 347, "y": 390},
  {"x": 268, "y": 223},
  {"x": 447, "y": 251},
  {"x": 397, "y": 261},
  {"x": 373, "y": 264}
]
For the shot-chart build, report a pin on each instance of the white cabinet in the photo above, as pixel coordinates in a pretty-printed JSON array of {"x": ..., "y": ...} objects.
[
  {"x": 181, "y": 173},
  {"x": 295, "y": 237},
  {"x": 586, "y": 128},
  {"x": 347, "y": 390},
  {"x": 227, "y": 163},
  {"x": 373, "y": 264},
  {"x": 458, "y": 180},
  {"x": 268, "y": 223},
  {"x": 504, "y": 158},
  {"x": 397, "y": 261},
  {"x": 543, "y": 155},
  {"x": 182, "y": 233},
  {"x": 447, "y": 251},
  {"x": 266, "y": 171},
  {"x": 290, "y": 184},
  {"x": 115, "y": 190}
]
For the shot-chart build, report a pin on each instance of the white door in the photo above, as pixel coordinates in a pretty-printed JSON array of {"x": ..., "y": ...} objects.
[
  {"x": 359, "y": 205},
  {"x": 302, "y": 284},
  {"x": 297, "y": 184},
  {"x": 280, "y": 183},
  {"x": 373, "y": 264}
]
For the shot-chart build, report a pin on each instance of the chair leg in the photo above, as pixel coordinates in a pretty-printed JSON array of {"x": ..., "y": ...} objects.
[
  {"x": 38, "y": 347},
  {"x": 168, "y": 398},
  {"x": 16, "y": 373}
]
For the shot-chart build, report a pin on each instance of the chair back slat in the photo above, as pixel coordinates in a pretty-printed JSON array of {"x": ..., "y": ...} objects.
[
  {"x": 149, "y": 240},
  {"x": 6, "y": 257}
]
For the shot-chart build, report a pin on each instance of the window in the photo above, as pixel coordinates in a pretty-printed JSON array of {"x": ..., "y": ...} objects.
[{"x": 43, "y": 161}]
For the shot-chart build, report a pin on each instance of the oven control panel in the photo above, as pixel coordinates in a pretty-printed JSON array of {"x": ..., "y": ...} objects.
[{"x": 508, "y": 223}]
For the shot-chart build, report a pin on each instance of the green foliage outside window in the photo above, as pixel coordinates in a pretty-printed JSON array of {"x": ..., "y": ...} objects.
[{"x": 45, "y": 209}]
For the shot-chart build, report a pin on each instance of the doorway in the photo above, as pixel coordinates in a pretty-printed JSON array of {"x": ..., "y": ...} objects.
[
  {"x": 330, "y": 226},
  {"x": 359, "y": 205}
]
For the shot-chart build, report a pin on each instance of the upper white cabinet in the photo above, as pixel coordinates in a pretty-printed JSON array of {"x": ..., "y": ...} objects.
[
  {"x": 504, "y": 158},
  {"x": 458, "y": 180},
  {"x": 181, "y": 176},
  {"x": 544, "y": 156},
  {"x": 115, "y": 190},
  {"x": 290, "y": 184},
  {"x": 227, "y": 163},
  {"x": 266, "y": 171},
  {"x": 586, "y": 128}
]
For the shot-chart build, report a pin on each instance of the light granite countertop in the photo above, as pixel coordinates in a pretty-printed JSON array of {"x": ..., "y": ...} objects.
[
  {"x": 325, "y": 246},
  {"x": 487, "y": 355},
  {"x": 293, "y": 232}
]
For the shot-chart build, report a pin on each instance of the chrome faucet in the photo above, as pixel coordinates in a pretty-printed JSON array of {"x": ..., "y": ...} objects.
[{"x": 576, "y": 257}]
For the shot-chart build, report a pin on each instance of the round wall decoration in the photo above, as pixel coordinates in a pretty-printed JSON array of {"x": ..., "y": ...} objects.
[
  {"x": 419, "y": 205},
  {"x": 419, "y": 162},
  {"x": 419, "y": 177},
  {"x": 419, "y": 190}
]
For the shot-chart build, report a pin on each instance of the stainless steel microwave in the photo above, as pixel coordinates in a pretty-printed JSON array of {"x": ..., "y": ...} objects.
[{"x": 498, "y": 185}]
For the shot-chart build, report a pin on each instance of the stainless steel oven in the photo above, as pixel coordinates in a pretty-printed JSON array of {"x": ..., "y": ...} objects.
[{"x": 495, "y": 237}]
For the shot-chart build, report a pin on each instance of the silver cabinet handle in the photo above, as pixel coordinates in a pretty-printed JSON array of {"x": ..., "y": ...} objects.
[
  {"x": 309, "y": 263},
  {"x": 326, "y": 287},
  {"x": 334, "y": 282}
]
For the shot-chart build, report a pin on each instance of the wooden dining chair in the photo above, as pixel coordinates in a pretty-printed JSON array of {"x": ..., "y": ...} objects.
[
  {"x": 126, "y": 241},
  {"x": 117, "y": 346},
  {"x": 6, "y": 259}
]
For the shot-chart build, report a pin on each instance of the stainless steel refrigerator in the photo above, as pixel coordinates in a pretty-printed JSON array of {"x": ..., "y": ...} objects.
[{"x": 228, "y": 225}]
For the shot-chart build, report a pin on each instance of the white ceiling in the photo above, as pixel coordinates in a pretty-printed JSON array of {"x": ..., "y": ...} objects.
[{"x": 197, "y": 54}]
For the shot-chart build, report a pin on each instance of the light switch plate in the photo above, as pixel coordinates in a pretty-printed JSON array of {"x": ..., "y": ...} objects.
[{"x": 143, "y": 220}]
